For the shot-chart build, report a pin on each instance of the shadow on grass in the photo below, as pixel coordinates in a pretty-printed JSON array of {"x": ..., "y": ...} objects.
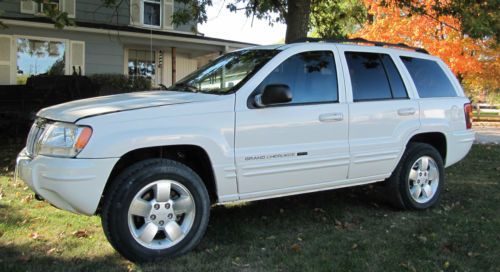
[{"x": 27, "y": 257}]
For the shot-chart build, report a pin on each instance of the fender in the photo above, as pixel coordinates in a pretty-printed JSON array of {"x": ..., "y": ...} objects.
[{"x": 180, "y": 124}]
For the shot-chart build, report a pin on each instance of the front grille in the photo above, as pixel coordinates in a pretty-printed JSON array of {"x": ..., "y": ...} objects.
[{"x": 36, "y": 132}]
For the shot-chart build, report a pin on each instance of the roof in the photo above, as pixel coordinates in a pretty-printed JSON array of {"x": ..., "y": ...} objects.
[
  {"x": 132, "y": 29},
  {"x": 359, "y": 41}
]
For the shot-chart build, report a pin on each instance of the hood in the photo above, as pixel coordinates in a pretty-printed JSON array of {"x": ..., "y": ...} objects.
[{"x": 75, "y": 110}]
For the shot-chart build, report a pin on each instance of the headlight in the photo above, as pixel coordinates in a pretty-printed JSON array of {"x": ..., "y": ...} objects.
[{"x": 63, "y": 140}]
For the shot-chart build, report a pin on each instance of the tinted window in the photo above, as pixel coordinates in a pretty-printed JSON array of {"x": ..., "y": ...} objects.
[
  {"x": 397, "y": 86},
  {"x": 311, "y": 76},
  {"x": 429, "y": 78},
  {"x": 368, "y": 78}
]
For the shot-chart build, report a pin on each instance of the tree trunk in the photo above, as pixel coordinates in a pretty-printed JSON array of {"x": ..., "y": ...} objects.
[{"x": 297, "y": 19}]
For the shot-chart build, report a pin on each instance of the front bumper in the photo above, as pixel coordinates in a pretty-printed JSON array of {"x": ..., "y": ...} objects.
[{"x": 70, "y": 184}]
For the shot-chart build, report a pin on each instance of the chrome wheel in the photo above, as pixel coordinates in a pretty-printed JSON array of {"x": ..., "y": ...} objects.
[
  {"x": 423, "y": 179},
  {"x": 161, "y": 214}
]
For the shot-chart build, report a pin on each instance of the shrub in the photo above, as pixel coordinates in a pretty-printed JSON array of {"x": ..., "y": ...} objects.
[{"x": 117, "y": 83}]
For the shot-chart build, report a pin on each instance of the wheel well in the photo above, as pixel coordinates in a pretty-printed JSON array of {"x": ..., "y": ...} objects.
[
  {"x": 193, "y": 156},
  {"x": 436, "y": 139}
]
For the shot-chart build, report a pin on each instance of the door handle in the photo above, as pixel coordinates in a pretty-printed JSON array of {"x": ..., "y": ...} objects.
[
  {"x": 331, "y": 117},
  {"x": 407, "y": 111}
]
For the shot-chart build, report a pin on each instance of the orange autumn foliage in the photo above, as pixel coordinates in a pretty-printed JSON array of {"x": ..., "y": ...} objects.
[{"x": 440, "y": 35}]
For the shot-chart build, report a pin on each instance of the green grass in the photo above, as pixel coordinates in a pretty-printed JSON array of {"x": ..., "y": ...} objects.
[
  {"x": 485, "y": 114},
  {"x": 342, "y": 230}
]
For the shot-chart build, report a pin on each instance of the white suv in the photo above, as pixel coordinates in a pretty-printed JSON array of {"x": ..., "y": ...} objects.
[{"x": 258, "y": 123}]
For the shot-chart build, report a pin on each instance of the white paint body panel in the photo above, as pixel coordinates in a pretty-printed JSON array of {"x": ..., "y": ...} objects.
[{"x": 364, "y": 146}]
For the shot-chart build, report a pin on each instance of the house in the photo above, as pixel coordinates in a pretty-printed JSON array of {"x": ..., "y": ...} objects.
[{"x": 138, "y": 39}]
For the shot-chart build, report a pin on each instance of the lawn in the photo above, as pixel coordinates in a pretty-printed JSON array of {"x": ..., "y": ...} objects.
[{"x": 341, "y": 230}]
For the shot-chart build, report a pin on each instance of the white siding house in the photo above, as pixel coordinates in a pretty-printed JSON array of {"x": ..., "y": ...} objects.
[{"x": 137, "y": 39}]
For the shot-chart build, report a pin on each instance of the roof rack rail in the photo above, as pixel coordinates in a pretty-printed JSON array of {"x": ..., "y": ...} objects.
[{"x": 361, "y": 40}]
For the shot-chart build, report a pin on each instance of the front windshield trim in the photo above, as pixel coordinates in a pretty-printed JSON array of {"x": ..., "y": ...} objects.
[{"x": 184, "y": 86}]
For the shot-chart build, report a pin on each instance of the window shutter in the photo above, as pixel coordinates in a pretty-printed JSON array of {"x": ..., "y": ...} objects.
[
  {"x": 6, "y": 70},
  {"x": 28, "y": 6},
  {"x": 69, "y": 6},
  {"x": 135, "y": 12},
  {"x": 168, "y": 12},
  {"x": 77, "y": 56}
]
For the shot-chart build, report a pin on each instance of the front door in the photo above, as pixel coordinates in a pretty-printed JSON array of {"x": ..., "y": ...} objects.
[{"x": 298, "y": 145}]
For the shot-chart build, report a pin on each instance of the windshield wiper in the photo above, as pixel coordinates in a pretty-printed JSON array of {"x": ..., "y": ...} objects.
[{"x": 185, "y": 86}]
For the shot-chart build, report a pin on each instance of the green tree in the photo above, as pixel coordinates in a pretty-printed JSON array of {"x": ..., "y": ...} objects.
[
  {"x": 478, "y": 18},
  {"x": 337, "y": 19}
]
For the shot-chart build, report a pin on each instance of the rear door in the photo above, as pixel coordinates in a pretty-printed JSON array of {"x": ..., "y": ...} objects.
[{"x": 382, "y": 114}]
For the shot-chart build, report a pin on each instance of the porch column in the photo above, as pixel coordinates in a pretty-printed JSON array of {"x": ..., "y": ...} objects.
[{"x": 173, "y": 65}]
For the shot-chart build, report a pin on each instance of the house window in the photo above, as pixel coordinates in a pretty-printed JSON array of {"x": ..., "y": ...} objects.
[
  {"x": 47, "y": 6},
  {"x": 142, "y": 63},
  {"x": 36, "y": 56},
  {"x": 151, "y": 12}
]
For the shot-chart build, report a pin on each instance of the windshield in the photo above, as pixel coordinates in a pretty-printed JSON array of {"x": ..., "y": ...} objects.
[{"x": 226, "y": 73}]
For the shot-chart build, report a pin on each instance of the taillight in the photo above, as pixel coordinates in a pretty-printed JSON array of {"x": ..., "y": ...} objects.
[{"x": 468, "y": 115}]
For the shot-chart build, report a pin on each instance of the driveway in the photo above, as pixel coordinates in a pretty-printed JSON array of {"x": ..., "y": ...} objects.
[{"x": 487, "y": 135}]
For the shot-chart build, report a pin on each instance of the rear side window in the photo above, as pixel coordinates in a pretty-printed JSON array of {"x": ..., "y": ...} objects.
[
  {"x": 374, "y": 77},
  {"x": 397, "y": 86},
  {"x": 429, "y": 78},
  {"x": 311, "y": 76}
]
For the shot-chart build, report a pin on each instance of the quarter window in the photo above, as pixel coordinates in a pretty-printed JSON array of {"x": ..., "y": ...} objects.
[
  {"x": 311, "y": 76},
  {"x": 374, "y": 77},
  {"x": 429, "y": 78}
]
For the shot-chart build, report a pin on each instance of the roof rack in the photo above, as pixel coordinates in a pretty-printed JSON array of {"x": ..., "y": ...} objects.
[{"x": 361, "y": 40}]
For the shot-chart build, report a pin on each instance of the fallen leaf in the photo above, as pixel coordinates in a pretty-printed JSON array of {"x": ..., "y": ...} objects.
[
  {"x": 81, "y": 233},
  {"x": 50, "y": 251},
  {"x": 34, "y": 235},
  {"x": 354, "y": 246},
  {"x": 295, "y": 247},
  {"x": 422, "y": 238},
  {"x": 272, "y": 237},
  {"x": 446, "y": 265}
]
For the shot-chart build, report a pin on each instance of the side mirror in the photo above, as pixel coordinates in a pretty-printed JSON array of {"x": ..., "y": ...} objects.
[{"x": 273, "y": 94}]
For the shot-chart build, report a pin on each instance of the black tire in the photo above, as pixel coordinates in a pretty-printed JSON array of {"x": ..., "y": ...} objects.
[
  {"x": 114, "y": 216},
  {"x": 397, "y": 185}
]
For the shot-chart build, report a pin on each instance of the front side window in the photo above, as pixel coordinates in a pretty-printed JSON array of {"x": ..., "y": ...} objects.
[
  {"x": 429, "y": 78},
  {"x": 35, "y": 57},
  {"x": 151, "y": 12},
  {"x": 374, "y": 77},
  {"x": 142, "y": 63},
  {"x": 225, "y": 73},
  {"x": 311, "y": 77}
]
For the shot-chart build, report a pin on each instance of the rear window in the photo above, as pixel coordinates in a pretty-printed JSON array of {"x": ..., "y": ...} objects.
[{"x": 429, "y": 78}]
